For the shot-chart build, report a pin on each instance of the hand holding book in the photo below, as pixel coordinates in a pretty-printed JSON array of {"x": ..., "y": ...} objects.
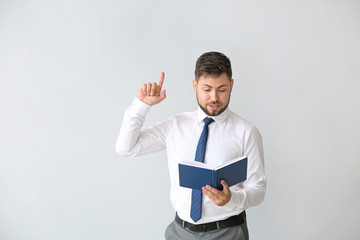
[{"x": 220, "y": 198}]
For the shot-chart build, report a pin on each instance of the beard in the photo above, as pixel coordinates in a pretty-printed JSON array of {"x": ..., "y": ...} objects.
[{"x": 212, "y": 112}]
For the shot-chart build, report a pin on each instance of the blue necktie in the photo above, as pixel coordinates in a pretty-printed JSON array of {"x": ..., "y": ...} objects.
[{"x": 196, "y": 196}]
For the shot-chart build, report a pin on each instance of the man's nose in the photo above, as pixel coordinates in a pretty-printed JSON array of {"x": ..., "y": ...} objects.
[{"x": 214, "y": 96}]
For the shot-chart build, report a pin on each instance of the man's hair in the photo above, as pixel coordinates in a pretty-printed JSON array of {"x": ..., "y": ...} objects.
[{"x": 212, "y": 63}]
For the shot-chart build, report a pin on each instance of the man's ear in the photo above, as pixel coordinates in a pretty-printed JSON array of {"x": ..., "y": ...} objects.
[
  {"x": 231, "y": 84},
  {"x": 195, "y": 84}
]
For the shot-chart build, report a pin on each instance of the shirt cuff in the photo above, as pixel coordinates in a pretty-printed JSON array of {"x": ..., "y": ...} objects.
[
  {"x": 236, "y": 202},
  {"x": 139, "y": 108}
]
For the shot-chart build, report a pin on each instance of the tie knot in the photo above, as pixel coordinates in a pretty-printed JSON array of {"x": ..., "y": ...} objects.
[{"x": 207, "y": 121}]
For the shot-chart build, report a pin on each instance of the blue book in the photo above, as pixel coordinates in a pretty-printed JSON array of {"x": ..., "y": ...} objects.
[{"x": 196, "y": 175}]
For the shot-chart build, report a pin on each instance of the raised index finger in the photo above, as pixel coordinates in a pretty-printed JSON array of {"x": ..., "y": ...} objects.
[{"x": 161, "y": 80}]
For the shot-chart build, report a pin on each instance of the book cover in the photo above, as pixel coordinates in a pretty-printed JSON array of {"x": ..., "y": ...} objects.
[{"x": 196, "y": 175}]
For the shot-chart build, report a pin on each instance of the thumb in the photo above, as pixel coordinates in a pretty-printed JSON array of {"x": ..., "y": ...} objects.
[
  {"x": 163, "y": 95},
  {"x": 225, "y": 185}
]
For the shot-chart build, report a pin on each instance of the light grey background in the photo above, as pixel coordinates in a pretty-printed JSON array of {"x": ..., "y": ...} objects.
[{"x": 69, "y": 69}]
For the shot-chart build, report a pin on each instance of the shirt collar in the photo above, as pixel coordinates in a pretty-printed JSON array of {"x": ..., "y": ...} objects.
[{"x": 219, "y": 119}]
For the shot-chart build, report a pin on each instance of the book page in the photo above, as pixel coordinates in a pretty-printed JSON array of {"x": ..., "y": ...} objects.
[
  {"x": 206, "y": 166},
  {"x": 195, "y": 164},
  {"x": 229, "y": 162}
]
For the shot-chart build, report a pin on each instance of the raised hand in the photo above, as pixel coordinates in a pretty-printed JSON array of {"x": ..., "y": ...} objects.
[{"x": 151, "y": 93}]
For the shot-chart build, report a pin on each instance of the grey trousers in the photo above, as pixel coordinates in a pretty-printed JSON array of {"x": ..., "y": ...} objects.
[{"x": 176, "y": 232}]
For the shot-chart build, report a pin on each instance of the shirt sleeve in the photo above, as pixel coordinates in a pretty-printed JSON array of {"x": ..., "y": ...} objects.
[
  {"x": 254, "y": 188},
  {"x": 132, "y": 141}
]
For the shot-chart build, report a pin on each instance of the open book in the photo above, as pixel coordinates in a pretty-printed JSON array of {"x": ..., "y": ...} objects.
[{"x": 196, "y": 175}]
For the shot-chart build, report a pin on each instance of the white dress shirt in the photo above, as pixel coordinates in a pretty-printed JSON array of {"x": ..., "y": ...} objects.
[{"x": 229, "y": 137}]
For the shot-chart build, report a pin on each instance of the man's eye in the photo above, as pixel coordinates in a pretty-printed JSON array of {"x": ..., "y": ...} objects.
[
  {"x": 207, "y": 90},
  {"x": 222, "y": 90}
]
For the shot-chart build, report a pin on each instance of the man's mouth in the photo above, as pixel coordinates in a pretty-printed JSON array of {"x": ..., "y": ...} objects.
[{"x": 214, "y": 106}]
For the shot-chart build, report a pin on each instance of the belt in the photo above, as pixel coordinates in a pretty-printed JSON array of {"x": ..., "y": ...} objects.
[{"x": 230, "y": 222}]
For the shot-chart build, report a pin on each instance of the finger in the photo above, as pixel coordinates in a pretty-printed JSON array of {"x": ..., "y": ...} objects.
[
  {"x": 160, "y": 83},
  {"x": 153, "y": 89},
  {"x": 143, "y": 88},
  {"x": 148, "y": 88},
  {"x": 211, "y": 194},
  {"x": 225, "y": 185},
  {"x": 226, "y": 188},
  {"x": 163, "y": 95},
  {"x": 161, "y": 80},
  {"x": 226, "y": 192},
  {"x": 212, "y": 189}
]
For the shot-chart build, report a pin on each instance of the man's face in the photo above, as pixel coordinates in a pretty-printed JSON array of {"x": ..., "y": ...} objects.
[{"x": 213, "y": 93}]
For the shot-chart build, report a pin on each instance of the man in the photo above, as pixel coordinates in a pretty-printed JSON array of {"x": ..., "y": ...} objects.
[{"x": 210, "y": 213}]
